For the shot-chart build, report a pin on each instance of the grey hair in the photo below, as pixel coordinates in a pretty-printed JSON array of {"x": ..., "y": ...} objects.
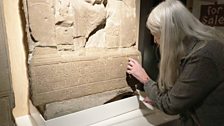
[{"x": 173, "y": 22}]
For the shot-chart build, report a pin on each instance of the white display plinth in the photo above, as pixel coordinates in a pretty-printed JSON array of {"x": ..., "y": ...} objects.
[{"x": 125, "y": 112}]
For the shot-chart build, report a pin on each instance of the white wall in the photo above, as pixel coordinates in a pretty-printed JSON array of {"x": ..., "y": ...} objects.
[{"x": 17, "y": 56}]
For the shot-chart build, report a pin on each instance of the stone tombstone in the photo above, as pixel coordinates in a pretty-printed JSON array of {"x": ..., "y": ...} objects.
[{"x": 79, "y": 51}]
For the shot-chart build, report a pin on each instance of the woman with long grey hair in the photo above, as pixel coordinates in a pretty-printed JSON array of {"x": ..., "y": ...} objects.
[{"x": 191, "y": 69}]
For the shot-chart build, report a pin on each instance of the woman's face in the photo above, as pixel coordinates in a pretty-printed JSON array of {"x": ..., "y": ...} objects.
[{"x": 156, "y": 38}]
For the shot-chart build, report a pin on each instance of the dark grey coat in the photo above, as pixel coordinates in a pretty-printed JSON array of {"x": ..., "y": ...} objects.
[{"x": 198, "y": 93}]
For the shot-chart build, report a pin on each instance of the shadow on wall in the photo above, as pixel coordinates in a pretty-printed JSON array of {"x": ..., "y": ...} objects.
[{"x": 23, "y": 23}]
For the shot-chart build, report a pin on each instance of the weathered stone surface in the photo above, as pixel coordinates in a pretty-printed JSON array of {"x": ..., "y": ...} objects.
[
  {"x": 41, "y": 21},
  {"x": 120, "y": 29},
  {"x": 128, "y": 24},
  {"x": 130, "y": 3},
  {"x": 57, "y": 109},
  {"x": 55, "y": 79},
  {"x": 97, "y": 40},
  {"x": 112, "y": 38},
  {"x": 95, "y": 1},
  {"x": 67, "y": 24},
  {"x": 61, "y": 22},
  {"x": 121, "y": 24},
  {"x": 64, "y": 35},
  {"x": 80, "y": 49},
  {"x": 89, "y": 17},
  {"x": 77, "y": 19}
]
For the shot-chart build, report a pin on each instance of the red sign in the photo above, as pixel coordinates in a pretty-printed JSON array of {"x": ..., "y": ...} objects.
[{"x": 212, "y": 15}]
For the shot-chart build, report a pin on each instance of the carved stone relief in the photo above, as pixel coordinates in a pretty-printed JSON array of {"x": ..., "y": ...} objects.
[{"x": 79, "y": 51}]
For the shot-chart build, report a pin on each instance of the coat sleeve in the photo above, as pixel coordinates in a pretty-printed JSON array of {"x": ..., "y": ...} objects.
[{"x": 198, "y": 77}]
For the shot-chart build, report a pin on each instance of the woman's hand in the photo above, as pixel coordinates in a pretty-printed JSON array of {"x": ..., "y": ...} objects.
[{"x": 136, "y": 70}]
